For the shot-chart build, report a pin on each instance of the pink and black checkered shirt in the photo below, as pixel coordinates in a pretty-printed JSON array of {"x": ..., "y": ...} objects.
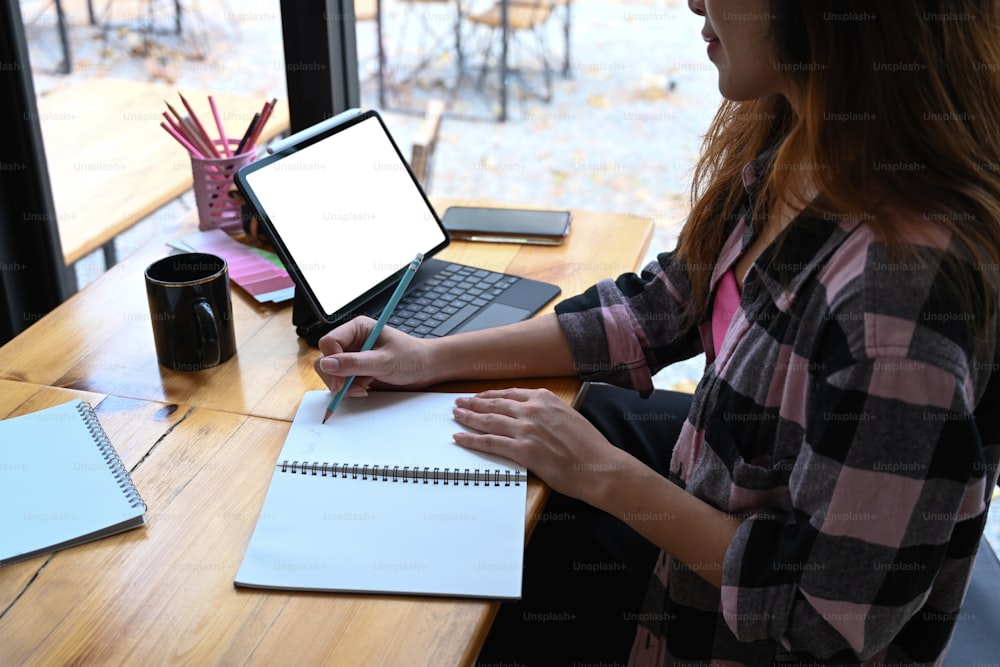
[{"x": 849, "y": 419}]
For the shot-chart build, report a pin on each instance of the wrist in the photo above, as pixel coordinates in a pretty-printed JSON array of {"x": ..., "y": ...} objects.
[
  {"x": 439, "y": 360},
  {"x": 605, "y": 488}
]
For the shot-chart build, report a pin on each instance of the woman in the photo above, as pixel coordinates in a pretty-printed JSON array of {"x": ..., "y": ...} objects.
[{"x": 826, "y": 494}]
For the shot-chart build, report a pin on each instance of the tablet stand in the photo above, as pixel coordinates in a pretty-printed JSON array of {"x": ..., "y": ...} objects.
[{"x": 307, "y": 325}]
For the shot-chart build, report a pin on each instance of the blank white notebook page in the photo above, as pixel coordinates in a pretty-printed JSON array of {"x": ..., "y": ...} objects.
[{"x": 334, "y": 518}]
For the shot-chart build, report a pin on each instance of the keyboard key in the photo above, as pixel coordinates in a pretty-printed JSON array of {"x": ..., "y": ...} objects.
[
  {"x": 449, "y": 298},
  {"x": 454, "y": 320}
]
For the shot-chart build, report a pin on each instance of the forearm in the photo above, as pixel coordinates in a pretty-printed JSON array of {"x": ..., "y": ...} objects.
[
  {"x": 690, "y": 530},
  {"x": 532, "y": 348}
]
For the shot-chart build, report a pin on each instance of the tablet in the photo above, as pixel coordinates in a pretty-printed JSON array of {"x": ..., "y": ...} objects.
[{"x": 343, "y": 210}]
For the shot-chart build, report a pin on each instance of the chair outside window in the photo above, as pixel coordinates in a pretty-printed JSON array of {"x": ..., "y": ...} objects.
[
  {"x": 424, "y": 43},
  {"x": 565, "y": 7},
  {"x": 524, "y": 51}
]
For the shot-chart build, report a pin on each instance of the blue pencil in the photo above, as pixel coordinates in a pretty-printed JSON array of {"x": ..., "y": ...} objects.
[{"x": 369, "y": 343}]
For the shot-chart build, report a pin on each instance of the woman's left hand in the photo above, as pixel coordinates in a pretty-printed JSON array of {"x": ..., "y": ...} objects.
[{"x": 535, "y": 428}]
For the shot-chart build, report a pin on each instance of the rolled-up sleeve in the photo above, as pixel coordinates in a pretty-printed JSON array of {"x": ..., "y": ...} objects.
[
  {"x": 623, "y": 331},
  {"x": 892, "y": 473}
]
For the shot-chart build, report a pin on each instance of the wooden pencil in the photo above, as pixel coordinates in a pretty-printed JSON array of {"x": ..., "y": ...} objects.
[{"x": 199, "y": 127}]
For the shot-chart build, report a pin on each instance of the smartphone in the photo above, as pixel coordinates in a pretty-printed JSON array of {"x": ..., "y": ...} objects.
[{"x": 506, "y": 225}]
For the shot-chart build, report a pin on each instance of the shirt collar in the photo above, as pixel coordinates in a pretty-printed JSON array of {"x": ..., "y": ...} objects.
[{"x": 805, "y": 245}]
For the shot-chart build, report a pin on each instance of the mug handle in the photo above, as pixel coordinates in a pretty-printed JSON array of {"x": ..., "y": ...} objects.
[{"x": 208, "y": 331}]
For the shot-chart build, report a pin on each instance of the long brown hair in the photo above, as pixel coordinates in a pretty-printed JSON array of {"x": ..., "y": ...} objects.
[{"x": 900, "y": 112}]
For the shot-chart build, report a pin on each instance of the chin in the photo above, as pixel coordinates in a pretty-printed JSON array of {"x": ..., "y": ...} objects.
[{"x": 737, "y": 93}]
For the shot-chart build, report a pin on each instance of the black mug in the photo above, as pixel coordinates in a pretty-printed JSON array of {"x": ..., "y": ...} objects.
[{"x": 191, "y": 311}]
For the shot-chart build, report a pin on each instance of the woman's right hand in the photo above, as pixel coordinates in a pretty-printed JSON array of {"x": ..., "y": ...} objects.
[{"x": 398, "y": 359}]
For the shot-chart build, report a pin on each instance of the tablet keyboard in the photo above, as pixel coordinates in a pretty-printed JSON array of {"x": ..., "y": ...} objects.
[{"x": 451, "y": 297}]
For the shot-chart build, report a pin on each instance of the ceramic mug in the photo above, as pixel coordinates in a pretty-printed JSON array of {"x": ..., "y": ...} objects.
[{"x": 191, "y": 310}]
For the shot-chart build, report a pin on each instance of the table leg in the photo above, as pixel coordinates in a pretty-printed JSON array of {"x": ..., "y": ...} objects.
[{"x": 110, "y": 257}]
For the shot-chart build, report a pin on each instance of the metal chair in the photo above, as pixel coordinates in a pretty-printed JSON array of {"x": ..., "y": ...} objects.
[
  {"x": 524, "y": 18},
  {"x": 437, "y": 29}
]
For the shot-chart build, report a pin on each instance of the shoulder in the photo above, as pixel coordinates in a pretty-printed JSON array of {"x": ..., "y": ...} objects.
[{"x": 924, "y": 300}]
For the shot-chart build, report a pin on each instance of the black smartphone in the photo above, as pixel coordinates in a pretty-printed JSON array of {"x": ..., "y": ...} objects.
[{"x": 506, "y": 225}]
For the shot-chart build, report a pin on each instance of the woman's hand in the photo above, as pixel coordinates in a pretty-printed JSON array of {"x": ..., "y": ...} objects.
[
  {"x": 535, "y": 428},
  {"x": 398, "y": 359}
]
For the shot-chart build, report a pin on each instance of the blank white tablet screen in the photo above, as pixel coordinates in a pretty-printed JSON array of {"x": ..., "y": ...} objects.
[{"x": 348, "y": 212}]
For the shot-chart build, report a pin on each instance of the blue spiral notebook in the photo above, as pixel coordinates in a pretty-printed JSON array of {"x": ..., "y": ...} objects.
[{"x": 61, "y": 483}]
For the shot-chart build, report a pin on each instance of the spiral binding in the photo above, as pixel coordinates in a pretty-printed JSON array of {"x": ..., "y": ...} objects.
[
  {"x": 407, "y": 474},
  {"x": 109, "y": 454}
]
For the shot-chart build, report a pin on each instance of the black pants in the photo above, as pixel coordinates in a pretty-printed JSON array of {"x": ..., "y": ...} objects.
[{"x": 586, "y": 572}]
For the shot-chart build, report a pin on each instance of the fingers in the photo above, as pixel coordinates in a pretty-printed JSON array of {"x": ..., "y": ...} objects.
[
  {"x": 335, "y": 363},
  {"x": 486, "y": 422},
  {"x": 351, "y": 363},
  {"x": 334, "y": 381},
  {"x": 349, "y": 336},
  {"x": 504, "y": 401},
  {"x": 489, "y": 444},
  {"x": 334, "y": 370},
  {"x": 508, "y": 413}
]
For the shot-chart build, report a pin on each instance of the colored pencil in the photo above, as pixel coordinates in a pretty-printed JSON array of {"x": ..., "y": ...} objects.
[
  {"x": 172, "y": 110},
  {"x": 249, "y": 133},
  {"x": 180, "y": 129},
  {"x": 380, "y": 323},
  {"x": 183, "y": 142},
  {"x": 218, "y": 124},
  {"x": 199, "y": 126},
  {"x": 264, "y": 117},
  {"x": 196, "y": 138},
  {"x": 186, "y": 129}
]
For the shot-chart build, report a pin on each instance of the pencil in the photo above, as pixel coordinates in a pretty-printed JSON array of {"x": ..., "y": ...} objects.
[
  {"x": 218, "y": 125},
  {"x": 183, "y": 127},
  {"x": 265, "y": 115},
  {"x": 199, "y": 126},
  {"x": 172, "y": 110},
  {"x": 369, "y": 343},
  {"x": 249, "y": 133},
  {"x": 192, "y": 134},
  {"x": 183, "y": 142}
]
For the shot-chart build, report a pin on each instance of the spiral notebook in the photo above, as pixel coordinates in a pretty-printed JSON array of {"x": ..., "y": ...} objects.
[
  {"x": 61, "y": 483},
  {"x": 381, "y": 500}
]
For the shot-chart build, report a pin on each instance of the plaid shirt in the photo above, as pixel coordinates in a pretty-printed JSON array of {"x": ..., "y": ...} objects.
[{"x": 847, "y": 419}]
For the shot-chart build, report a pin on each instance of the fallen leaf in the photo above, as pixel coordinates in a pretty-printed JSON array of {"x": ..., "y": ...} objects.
[{"x": 599, "y": 101}]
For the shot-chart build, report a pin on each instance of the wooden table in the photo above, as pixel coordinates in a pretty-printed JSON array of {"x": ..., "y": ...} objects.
[
  {"x": 201, "y": 448},
  {"x": 110, "y": 162}
]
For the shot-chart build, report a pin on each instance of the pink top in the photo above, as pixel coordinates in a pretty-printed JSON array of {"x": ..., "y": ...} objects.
[{"x": 727, "y": 302}]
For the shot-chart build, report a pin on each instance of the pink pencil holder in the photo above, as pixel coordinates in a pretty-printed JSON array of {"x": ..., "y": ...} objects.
[{"x": 213, "y": 183}]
